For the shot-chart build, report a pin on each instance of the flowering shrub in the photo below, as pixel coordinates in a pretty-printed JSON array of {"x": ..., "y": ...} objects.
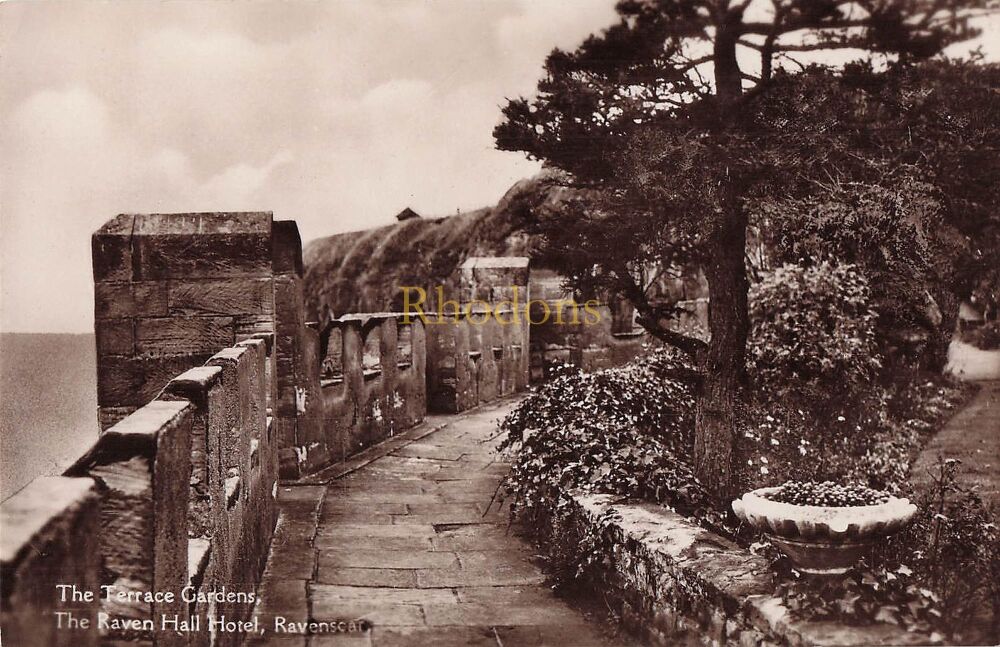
[
  {"x": 620, "y": 431},
  {"x": 871, "y": 441},
  {"x": 813, "y": 333}
]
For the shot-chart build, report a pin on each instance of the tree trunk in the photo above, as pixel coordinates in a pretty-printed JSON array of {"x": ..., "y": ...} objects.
[
  {"x": 940, "y": 336},
  {"x": 724, "y": 364},
  {"x": 725, "y": 360}
]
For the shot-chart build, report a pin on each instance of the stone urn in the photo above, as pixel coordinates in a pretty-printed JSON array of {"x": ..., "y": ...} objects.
[{"x": 822, "y": 540}]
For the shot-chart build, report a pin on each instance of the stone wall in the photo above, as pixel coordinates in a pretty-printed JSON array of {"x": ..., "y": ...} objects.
[
  {"x": 674, "y": 583},
  {"x": 50, "y": 537},
  {"x": 483, "y": 353},
  {"x": 169, "y": 291},
  {"x": 373, "y": 380},
  {"x": 211, "y": 385},
  {"x": 179, "y": 493},
  {"x": 172, "y": 289},
  {"x": 599, "y": 337}
]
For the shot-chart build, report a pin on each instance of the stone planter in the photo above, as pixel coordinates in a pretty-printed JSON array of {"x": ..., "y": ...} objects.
[{"x": 822, "y": 540}]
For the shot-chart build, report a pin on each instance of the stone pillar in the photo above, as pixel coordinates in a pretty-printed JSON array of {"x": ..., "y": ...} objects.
[
  {"x": 502, "y": 282},
  {"x": 170, "y": 290},
  {"x": 469, "y": 362},
  {"x": 297, "y": 410}
]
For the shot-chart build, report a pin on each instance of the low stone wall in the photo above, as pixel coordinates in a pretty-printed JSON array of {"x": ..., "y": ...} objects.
[
  {"x": 373, "y": 380},
  {"x": 177, "y": 496},
  {"x": 676, "y": 583},
  {"x": 590, "y": 336},
  {"x": 482, "y": 353}
]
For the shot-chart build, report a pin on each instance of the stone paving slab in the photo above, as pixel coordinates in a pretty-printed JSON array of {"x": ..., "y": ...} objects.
[
  {"x": 352, "y": 556},
  {"x": 408, "y": 539}
]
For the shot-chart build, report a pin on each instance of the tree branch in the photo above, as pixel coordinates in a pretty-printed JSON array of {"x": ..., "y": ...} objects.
[
  {"x": 691, "y": 346},
  {"x": 648, "y": 316}
]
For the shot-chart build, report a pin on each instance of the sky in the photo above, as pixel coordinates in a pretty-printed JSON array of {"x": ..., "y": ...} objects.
[{"x": 337, "y": 114}]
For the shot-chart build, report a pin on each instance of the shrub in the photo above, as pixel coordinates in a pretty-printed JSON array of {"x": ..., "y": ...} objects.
[
  {"x": 985, "y": 337},
  {"x": 622, "y": 431},
  {"x": 813, "y": 334},
  {"x": 953, "y": 548},
  {"x": 938, "y": 575},
  {"x": 871, "y": 441}
]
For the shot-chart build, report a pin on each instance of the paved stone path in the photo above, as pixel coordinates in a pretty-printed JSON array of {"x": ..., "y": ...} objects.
[
  {"x": 972, "y": 436},
  {"x": 404, "y": 543}
]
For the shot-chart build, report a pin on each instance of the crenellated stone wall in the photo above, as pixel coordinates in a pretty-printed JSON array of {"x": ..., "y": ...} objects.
[
  {"x": 374, "y": 380},
  {"x": 482, "y": 353},
  {"x": 179, "y": 493},
  {"x": 211, "y": 387}
]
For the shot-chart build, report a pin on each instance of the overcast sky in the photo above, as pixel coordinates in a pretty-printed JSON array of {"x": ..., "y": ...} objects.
[{"x": 336, "y": 114}]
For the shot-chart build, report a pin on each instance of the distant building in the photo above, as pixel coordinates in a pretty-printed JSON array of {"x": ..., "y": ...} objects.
[{"x": 407, "y": 214}]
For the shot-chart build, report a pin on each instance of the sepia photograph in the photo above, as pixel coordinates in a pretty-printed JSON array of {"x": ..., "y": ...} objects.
[{"x": 499, "y": 323}]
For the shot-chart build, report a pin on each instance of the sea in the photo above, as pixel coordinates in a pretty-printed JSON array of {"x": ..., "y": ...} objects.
[{"x": 48, "y": 404}]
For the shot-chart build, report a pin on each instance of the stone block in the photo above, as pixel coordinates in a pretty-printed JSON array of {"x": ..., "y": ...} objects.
[
  {"x": 133, "y": 381},
  {"x": 113, "y": 300},
  {"x": 150, "y": 298},
  {"x": 183, "y": 335},
  {"x": 111, "y": 249},
  {"x": 237, "y": 392},
  {"x": 230, "y": 296},
  {"x": 114, "y": 336},
  {"x": 286, "y": 248},
  {"x": 120, "y": 299},
  {"x": 51, "y": 536},
  {"x": 251, "y": 326},
  {"x": 202, "y": 245},
  {"x": 143, "y": 468}
]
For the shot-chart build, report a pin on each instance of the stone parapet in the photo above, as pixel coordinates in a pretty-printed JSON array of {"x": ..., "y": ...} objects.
[
  {"x": 373, "y": 380},
  {"x": 677, "y": 583},
  {"x": 50, "y": 538},
  {"x": 483, "y": 354},
  {"x": 142, "y": 467}
]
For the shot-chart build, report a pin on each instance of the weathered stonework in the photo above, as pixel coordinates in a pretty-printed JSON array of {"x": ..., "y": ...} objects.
[
  {"x": 209, "y": 378},
  {"x": 50, "y": 537},
  {"x": 483, "y": 354},
  {"x": 142, "y": 466},
  {"x": 567, "y": 334},
  {"x": 675, "y": 582},
  {"x": 170, "y": 290},
  {"x": 370, "y": 395}
]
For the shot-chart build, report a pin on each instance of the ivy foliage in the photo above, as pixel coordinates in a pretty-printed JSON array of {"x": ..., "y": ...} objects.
[{"x": 623, "y": 431}]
